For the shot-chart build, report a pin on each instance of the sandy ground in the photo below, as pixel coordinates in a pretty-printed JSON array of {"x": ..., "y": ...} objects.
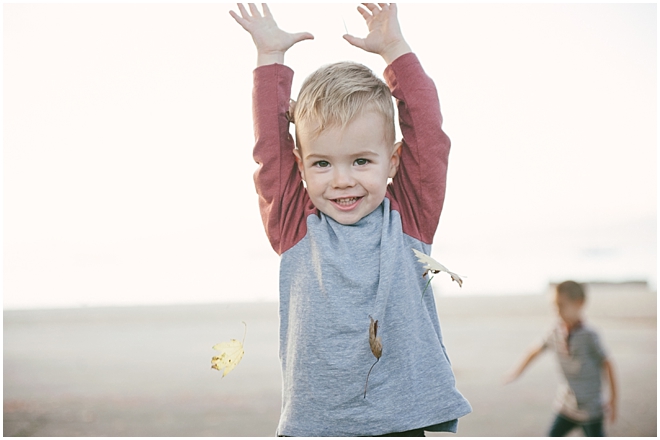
[{"x": 145, "y": 371}]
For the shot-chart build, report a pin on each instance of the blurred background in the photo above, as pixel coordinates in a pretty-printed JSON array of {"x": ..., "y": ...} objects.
[
  {"x": 132, "y": 240},
  {"x": 145, "y": 370}
]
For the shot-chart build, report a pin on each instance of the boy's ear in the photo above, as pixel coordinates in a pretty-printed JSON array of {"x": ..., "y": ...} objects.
[
  {"x": 296, "y": 153},
  {"x": 395, "y": 159}
]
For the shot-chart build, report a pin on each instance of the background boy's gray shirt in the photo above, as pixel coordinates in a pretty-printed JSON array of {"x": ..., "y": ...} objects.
[
  {"x": 581, "y": 362},
  {"x": 330, "y": 283}
]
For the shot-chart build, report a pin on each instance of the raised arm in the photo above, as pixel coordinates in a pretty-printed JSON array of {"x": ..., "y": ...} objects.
[
  {"x": 283, "y": 200},
  {"x": 271, "y": 41},
  {"x": 418, "y": 189}
]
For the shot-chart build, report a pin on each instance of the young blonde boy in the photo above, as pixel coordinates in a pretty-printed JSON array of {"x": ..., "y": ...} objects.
[
  {"x": 345, "y": 236},
  {"x": 582, "y": 360}
]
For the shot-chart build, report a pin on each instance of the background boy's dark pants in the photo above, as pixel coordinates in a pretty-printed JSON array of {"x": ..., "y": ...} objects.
[{"x": 562, "y": 425}]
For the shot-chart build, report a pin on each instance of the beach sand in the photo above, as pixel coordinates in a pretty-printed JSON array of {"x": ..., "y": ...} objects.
[{"x": 145, "y": 371}]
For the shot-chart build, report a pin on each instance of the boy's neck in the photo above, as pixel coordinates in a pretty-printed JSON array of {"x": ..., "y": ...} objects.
[{"x": 573, "y": 325}]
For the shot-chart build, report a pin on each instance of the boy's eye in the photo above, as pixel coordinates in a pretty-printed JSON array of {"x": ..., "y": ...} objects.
[
  {"x": 322, "y": 164},
  {"x": 361, "y": 161}
]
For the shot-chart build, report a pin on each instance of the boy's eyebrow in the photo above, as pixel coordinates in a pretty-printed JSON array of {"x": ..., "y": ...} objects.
[{"x": 358, "y": 154}]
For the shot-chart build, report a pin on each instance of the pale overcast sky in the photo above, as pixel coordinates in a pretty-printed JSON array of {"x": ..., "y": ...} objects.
[{"x": 127, "y": 139}]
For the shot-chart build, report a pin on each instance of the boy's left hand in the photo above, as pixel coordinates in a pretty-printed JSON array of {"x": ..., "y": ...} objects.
[
  {"x": 611, "y": 410},
  {"x": 385, "y": 37}
]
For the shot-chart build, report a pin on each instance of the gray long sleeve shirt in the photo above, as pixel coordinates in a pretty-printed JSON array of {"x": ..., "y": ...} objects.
[{"x": 334, "y": 276}]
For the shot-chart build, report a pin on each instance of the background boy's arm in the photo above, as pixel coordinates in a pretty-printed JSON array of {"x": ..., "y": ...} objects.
[
  {"x": 418, "y": 189},
  {"x": 609, "y": 370},
  {"x": 282, "y": 197},
  {"x": 529, "y": 357}
]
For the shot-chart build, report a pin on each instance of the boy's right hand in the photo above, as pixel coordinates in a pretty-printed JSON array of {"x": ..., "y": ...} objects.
[
  {"x": 510, "y": 377},
  {"x": 271, "y": 41},
  {"x": 385, "y": 37}
]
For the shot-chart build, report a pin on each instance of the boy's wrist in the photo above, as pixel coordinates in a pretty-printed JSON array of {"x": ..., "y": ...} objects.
[
  {"x": 395, "y": 51},
  {"x": 266, "y": 58}
]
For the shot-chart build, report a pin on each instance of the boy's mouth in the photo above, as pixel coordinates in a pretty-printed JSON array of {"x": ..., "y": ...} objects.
[{"x": 346, "y": 202}]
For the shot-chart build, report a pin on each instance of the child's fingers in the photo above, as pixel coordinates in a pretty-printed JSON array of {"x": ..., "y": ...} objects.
[
  {"x": 302, "y": 36},
  {"x": 373, "y": 7},
  {"x": 365, "y": 14},
  {"x": 254, "y": 10},
  {"x": 235, "y": 16},
  {"x": 240, "y": 20},
  {"x": 267, "y": 13},
  {"x": 357, "y": 42},
  {"x": 244, "y": 13}
]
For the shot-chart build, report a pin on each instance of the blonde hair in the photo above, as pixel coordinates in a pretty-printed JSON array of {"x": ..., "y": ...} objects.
[{"x": 336, "y": 93}]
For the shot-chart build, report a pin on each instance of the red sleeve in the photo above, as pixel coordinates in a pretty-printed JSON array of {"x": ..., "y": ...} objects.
[
  {"x": 418, "y": 189},
  {"x": 283, "y": 200}
]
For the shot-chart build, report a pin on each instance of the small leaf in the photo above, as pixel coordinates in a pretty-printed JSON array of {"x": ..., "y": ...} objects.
[
  {"x": 231, "y": 354},
  {"x": 374, "y": 341},
  {"x": 434, "y": 267},
  {"x": 376, "y": 348}
]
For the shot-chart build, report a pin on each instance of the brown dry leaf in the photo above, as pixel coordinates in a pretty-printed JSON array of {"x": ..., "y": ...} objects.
[
  {"x": 374, "y": 341},
  {"x": 376, "y": 348}
]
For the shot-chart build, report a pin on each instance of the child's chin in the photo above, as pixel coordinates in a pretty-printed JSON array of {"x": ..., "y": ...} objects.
[
  {"x": 346, "y": 222},
  {"x": 342, "y": 218},
  {"x": 346, "y": 218}
]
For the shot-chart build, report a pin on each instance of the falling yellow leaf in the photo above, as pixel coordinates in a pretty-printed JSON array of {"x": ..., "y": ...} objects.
[
  {"x": 376, "y": 348},
  {"x": 434, "y": 267},
  {"x": 231, "y": 354}
]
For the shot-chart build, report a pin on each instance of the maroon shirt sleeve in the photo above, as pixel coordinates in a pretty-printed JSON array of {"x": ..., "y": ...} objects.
[
  {"x": 283, "y": 200},
  {"x": 417, "y": 191}
]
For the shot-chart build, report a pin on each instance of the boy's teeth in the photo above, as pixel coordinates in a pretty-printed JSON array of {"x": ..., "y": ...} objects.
[{"x": 347, "y": 201}]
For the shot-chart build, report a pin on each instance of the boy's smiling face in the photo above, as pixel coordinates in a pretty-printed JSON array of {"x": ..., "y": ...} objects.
[
  {"x": 346, "y": 170},
  {"x": 570, "y": 311}
]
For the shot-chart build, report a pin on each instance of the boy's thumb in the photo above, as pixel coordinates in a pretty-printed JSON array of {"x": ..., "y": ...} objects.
[
  {"x": 357, "y": 42},
  {"x": 303, "y": 36}
]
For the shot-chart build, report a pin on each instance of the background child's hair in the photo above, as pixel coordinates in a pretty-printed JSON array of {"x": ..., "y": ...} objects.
[
  {"x": 334, "y": 94},
  {"x": 571, "y": 290}
]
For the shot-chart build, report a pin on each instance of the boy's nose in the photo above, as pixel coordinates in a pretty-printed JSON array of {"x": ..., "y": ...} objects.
[{"x": 342, "y": 178}]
